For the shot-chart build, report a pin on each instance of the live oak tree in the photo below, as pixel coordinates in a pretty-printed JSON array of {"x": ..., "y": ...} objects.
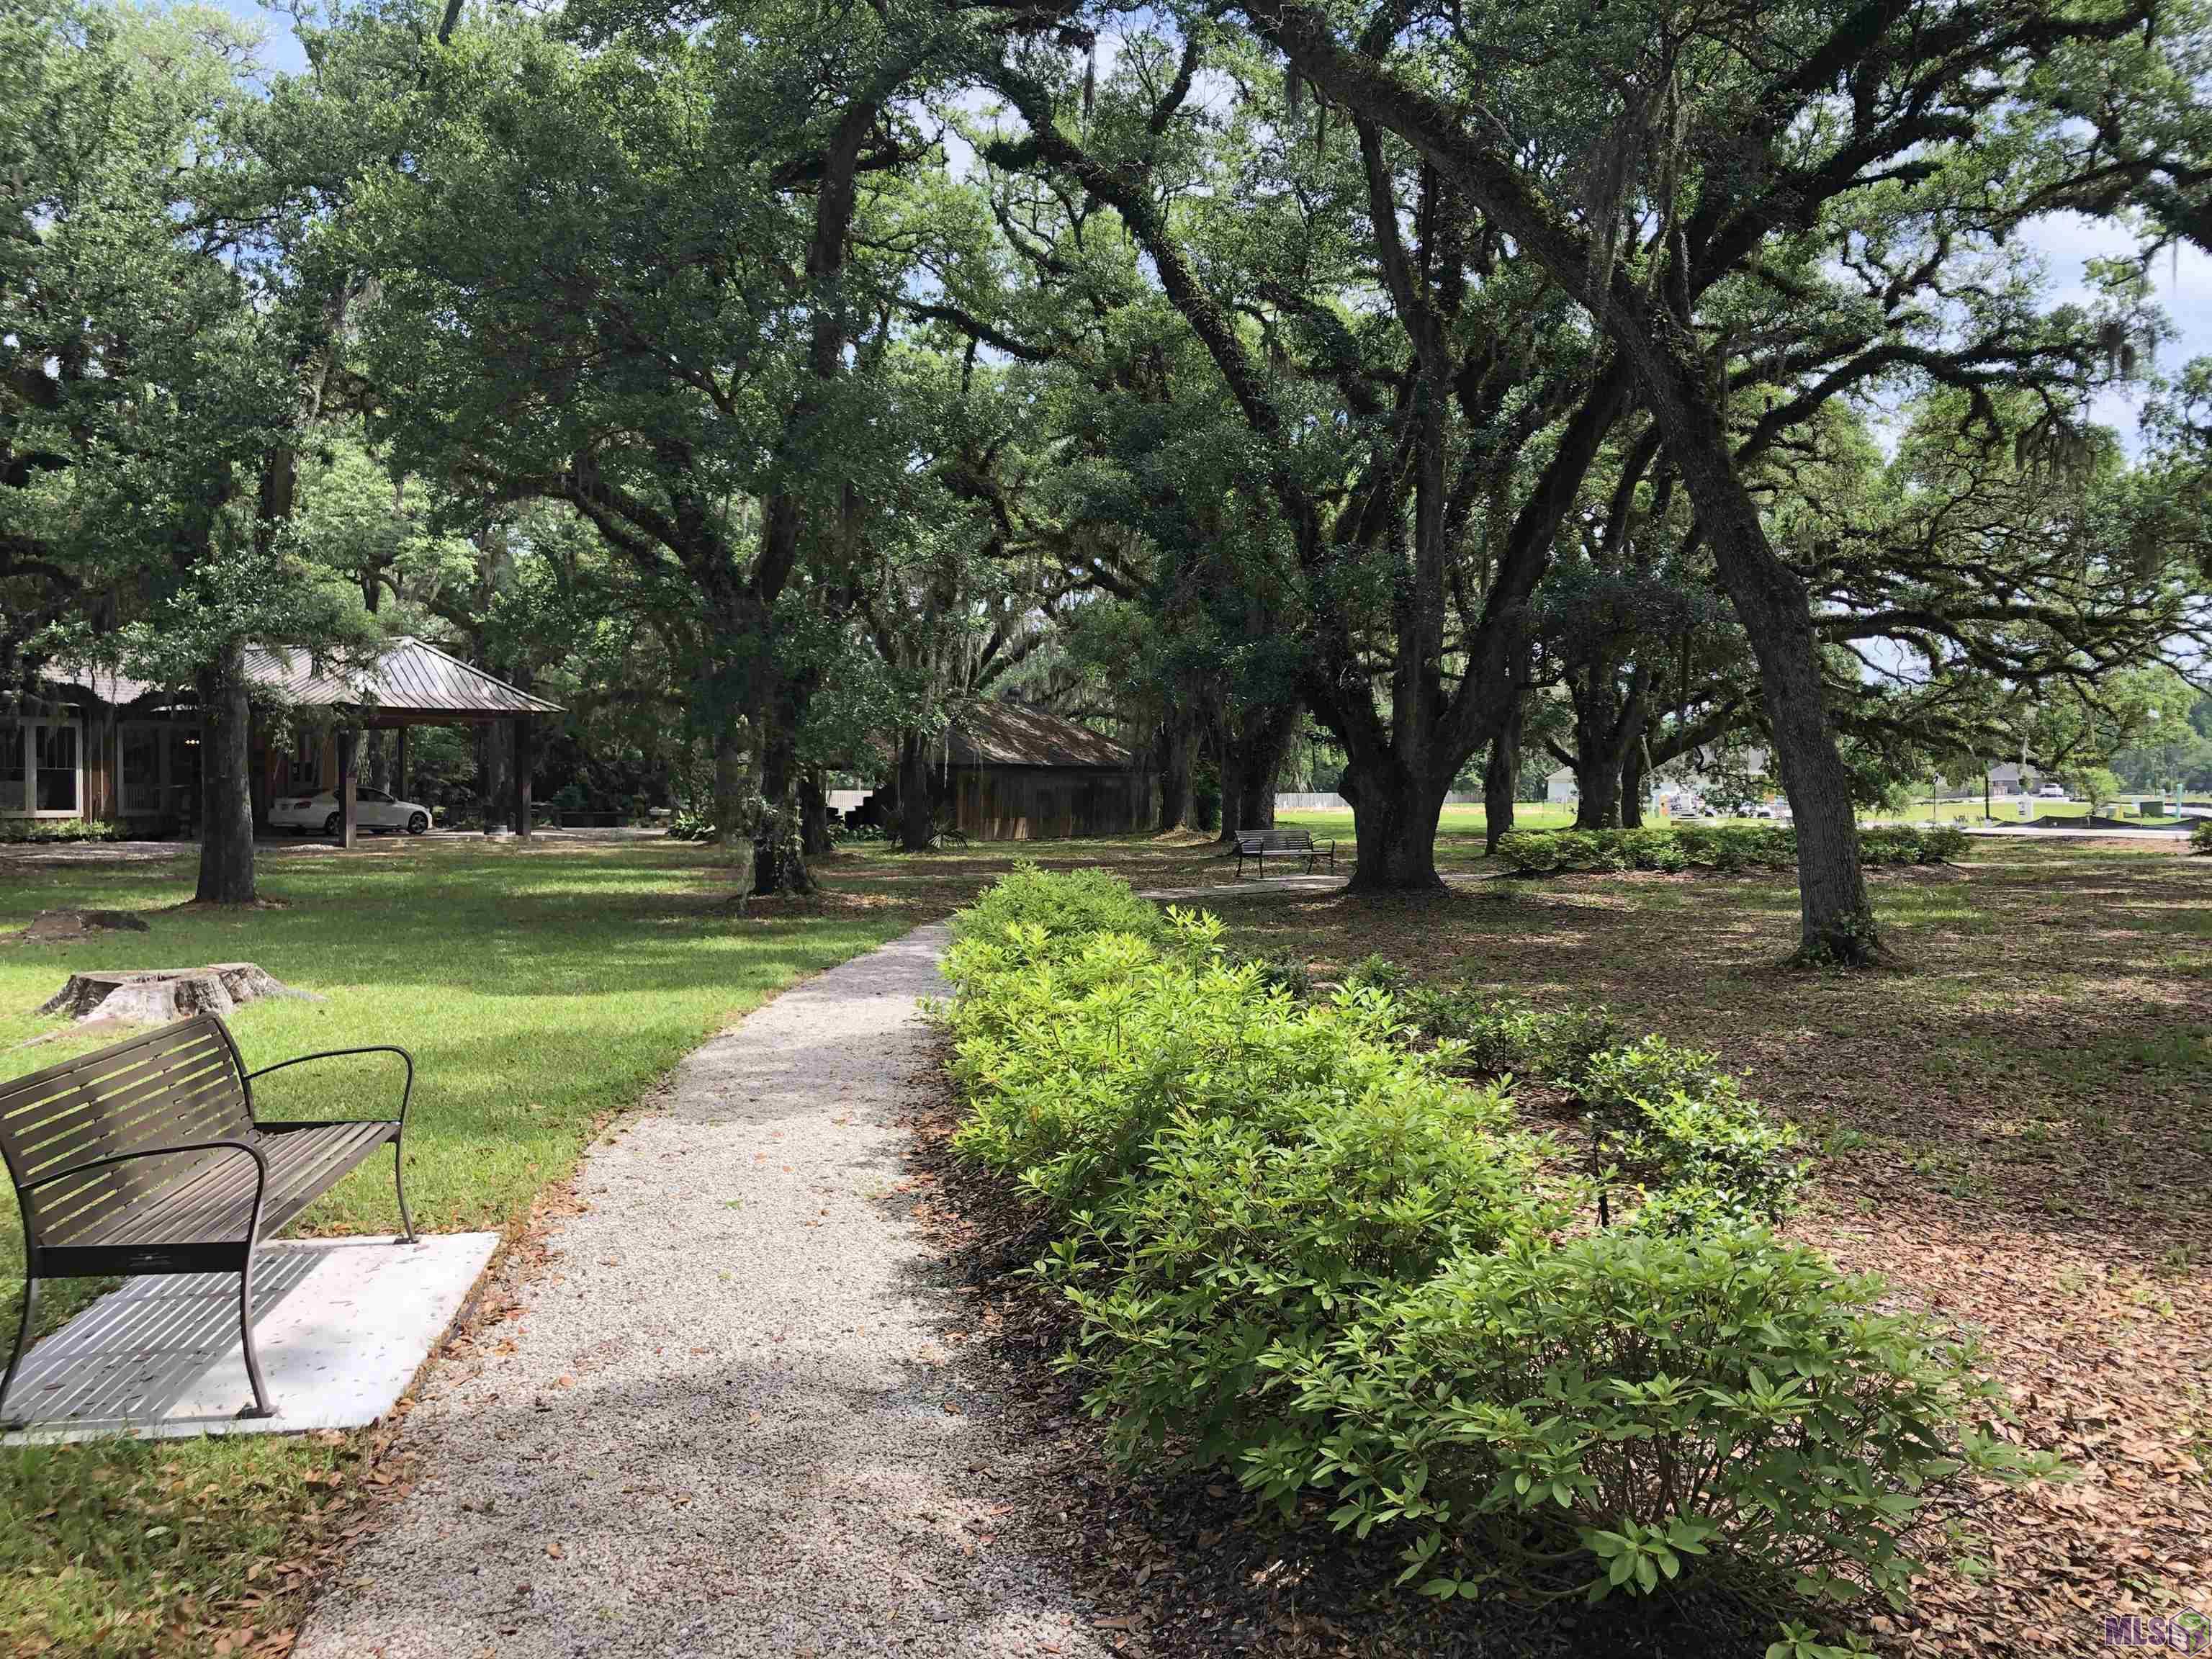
[
  {"x": 627, "y": 271},
  {"x": 156, "y": 368},
  {"x": 1818, "y": 175},
  {"x": 1415, "y": 467}
]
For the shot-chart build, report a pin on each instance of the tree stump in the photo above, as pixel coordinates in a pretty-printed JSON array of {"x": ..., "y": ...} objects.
[{"x": 157, "y": 995}]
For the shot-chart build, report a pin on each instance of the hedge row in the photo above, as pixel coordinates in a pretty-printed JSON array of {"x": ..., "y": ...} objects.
[
  {"x": 58, "y": 829},
  {"x": 1301, "y": 1250},
  {"x": 1712, "y": 846}
]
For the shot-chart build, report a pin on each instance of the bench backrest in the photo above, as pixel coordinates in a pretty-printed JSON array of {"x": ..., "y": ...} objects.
[
  {"x": 1276, "y": 841},
  {"x": 183, "y": 1082}
]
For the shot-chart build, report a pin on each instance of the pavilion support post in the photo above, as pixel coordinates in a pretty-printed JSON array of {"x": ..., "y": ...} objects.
[
  {"x": 348, "y": 790},
  {"x": 400, "y": 763},
  {"x": 523, "y": 762}
]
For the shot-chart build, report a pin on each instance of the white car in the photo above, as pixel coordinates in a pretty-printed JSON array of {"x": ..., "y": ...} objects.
[
  {"x": 373, "y": 810},
  {"x": 2051, "y": 791}
]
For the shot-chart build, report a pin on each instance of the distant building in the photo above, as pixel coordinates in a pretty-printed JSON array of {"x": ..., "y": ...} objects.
[
  {"x": 96, "y": 744},
  {"x": 1010, "y": 773}
]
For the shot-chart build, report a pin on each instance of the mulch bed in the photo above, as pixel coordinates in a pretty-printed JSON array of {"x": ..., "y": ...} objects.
[
  {"x": 2014, "y": 1133},
  {"x": 1182, "y": 1566}
]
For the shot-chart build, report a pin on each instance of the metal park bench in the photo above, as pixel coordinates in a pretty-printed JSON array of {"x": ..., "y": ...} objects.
[
  {"x": 145, "y": 1158},
  {"x": 1260, "y": 845}
]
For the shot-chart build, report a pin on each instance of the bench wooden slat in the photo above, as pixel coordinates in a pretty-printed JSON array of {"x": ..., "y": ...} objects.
[
  {"x": 216, "y": 1202},
  {"x": 41, "y": 1126}
]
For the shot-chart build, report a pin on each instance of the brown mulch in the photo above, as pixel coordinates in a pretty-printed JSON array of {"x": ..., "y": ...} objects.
[{"x": 2014, "y": 1133}]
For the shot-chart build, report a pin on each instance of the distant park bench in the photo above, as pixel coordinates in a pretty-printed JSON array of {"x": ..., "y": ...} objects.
[
  {"x": 1260, "y": 846},
  {"x": 145, "y": 1158}
]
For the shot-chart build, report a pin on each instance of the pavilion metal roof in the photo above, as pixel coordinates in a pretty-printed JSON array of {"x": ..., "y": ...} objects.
[
  {"x": 410, "y": 678},
  {"x": 411, "y": 681}
]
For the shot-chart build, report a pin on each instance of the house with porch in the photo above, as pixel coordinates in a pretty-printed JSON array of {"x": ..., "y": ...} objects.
[{"x": 92, "y": 742}]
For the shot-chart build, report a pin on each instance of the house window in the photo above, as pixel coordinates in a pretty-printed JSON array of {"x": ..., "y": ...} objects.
[
  {"x": 60, "y": 783},
  {"x": 142, "y": 760},
  {"x": 42, "y": 768},
  {"x": 15, "y": 776}
]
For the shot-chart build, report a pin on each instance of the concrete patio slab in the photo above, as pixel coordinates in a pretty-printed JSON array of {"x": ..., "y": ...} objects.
[{"x": 343, "y": 1325}]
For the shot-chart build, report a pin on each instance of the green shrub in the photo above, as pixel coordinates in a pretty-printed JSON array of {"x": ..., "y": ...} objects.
[
  {"x": 1913, "y": 844},
  {"x": 1066, "y": 905},
  {"x": 44, "y": 830},
  {"x": 1074, "y": 1054},
  {"x": 1276, "y": 1221},
  {"x": 2200, "y": 836},
  {"x": 1616, "y": 1411},
  {"x": 1706, "y": 1155},
  {"x": 1723, "y": 847},
  {"x": 1284, "y": 971},
  {"x": 1378, "y": 973},
  {"x": 1297, "y": 1247},
  {"x": 1490, "y": 1035}
]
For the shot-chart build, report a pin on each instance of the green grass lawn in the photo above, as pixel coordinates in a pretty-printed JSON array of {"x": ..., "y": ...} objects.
[
  {"x": 537, "y": 990},
  {"x": 540, "y": 988}
]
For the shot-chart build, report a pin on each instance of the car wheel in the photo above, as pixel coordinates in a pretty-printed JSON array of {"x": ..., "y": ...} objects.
[
  {"x": 331, "y": 824},
  {"x": 417, "y": 823}
]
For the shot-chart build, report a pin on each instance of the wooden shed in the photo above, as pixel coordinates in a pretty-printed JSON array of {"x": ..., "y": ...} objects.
[{"x": 1017, "y": 773}]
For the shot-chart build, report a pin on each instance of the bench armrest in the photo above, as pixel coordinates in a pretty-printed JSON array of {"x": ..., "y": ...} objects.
[
  {"x": 260, "y": 1171},
  {"x": 406, "y": 1092}
]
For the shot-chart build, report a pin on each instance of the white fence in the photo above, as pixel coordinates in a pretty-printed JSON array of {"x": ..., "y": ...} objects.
[{"x": 1335, "y": 803}]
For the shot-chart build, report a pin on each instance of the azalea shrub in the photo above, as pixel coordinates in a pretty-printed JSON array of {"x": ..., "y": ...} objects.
[
  {"x": 2200, "y": 836},
  {"x": 1702, "y": 1152},
  {"x": 1727, "y": 848},
  {"x": 1270, "y": 1221},
  {"x": 1299, "y": 1249},
  {"x": 1479, "y": 1032},
  {"x": 1615, "y": 1411},
  {"x": 1071, "y": 905}
]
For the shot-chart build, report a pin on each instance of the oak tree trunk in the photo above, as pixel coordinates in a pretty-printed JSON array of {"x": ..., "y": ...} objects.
[
  {"x": 1631, "y": 788},
  {"x": 1178, "y": 772},
  {"x": 226, "y": 791},
  {"x": 917, "y": 794},
  {"x": 736, "y": 787},
  {"x": 779, "y": 862},
  {"x": 1394, "y": 819},
  {"x": 1597, "y": 782},
  {"x": 1835, "y": 920},
  {"x": 813, "y": 817},
  {"x": 1501, "y": 785}
]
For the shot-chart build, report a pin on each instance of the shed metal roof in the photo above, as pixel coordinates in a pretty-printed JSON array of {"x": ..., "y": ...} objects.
[{"x": 994, "y": 733}]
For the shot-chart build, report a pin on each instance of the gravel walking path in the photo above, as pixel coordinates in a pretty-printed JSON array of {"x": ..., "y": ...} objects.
[{"x": 726, "y": 1423}]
